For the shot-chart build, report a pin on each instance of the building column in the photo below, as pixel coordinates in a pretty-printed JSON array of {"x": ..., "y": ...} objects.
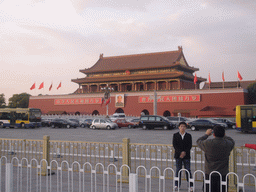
[
  {"x": 133, "y": 89},
  {"x": 98, "y": 87}
]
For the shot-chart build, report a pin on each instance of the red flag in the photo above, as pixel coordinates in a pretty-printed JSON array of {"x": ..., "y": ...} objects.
[
  {"x": 59, "y": 86},
  {"x": 239, "y": 76},
  {"x": 41, "y": 85},
  {"x": 223, "y": 79},
  {"x": 50, "y": 88},
  {"x": 107, "y": 102},
  {"x": 195, "y": 79},
  {"x": 102, "y": 101},
  {"x": 209, "y": 78},
  {"x": 33, "y": 86}
]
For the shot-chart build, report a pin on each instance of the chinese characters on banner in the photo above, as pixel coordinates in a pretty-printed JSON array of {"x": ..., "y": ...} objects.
[
  {"x": 176, "y": 98},
  {"x": 142, "y": 99},
  {"x": 78, "y": 101}
]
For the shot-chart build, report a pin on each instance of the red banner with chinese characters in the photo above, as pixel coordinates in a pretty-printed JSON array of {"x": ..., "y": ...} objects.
[
  {"x": 170, "y": 98},
  {"x": 78, "y": 101}
]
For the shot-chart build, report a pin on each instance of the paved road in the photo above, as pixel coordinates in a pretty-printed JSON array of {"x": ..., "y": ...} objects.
[{"x": 136, "y": 135}]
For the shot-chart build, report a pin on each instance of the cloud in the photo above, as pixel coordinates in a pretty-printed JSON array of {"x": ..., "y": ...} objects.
[{"x": 45, "y": 40}]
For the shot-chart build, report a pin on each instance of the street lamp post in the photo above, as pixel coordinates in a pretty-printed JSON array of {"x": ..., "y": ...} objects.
[{"x": 107, "y": 90}]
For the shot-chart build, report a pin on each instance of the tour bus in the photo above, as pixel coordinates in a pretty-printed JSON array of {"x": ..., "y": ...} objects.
[
  {"x": 246, "y": 118},
  {"x": 20, "y": 117}
]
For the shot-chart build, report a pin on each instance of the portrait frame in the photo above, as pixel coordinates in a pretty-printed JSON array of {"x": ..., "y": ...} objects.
[{"x": 119, "y": 100}]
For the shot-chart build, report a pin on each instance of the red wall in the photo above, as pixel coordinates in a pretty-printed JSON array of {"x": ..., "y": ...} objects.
[{"x": 223, "y": 103}]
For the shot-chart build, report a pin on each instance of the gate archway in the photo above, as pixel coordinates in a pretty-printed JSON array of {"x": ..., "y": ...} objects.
[
  {"x": 95, "y": 112},
  {"x": 167, "y": 113}
]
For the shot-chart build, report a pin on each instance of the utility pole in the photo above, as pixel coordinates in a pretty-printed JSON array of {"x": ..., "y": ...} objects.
[{"x": 155, "y": 103}]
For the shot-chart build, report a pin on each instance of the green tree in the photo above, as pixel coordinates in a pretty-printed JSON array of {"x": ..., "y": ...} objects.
[
  {"x": 2, "y": 100},
  {"x": 19, "y": 100},
  {"x": 252, "y": 93}
]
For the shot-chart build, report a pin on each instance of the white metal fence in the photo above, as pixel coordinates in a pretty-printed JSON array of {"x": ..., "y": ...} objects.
[{"x": 22, "y": 175}]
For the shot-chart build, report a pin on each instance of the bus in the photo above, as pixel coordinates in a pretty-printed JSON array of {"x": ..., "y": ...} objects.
[
  {"x": 20, "y": 117},
  {"x": 246, "y": 118}
]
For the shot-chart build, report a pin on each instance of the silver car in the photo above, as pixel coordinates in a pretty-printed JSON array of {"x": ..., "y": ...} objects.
[{"x": 103, "y": 124}]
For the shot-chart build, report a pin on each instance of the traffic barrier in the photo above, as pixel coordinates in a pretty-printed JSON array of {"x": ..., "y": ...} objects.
[
  {"x": 23, "y": 175},
  {"x": 242, "y": 160}
]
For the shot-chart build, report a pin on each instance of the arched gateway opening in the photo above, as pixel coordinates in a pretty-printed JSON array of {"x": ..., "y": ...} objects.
[
  {"x": 145, "y": 112},
  {"x": 95, "y": 112},
  {"x": 167, "y": 113},
  {"x": 119, "y": 110}
]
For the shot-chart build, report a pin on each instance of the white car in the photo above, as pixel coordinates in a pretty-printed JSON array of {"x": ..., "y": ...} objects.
[
  {"x": 103, "y": 124},
  {"x": 116, "y": 116}
]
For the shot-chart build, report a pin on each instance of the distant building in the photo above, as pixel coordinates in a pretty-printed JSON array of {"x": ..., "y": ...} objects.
[
  {"x": 228, "y": 84},
  {"x": 141, "y": 72},
  {"x": 138, "y": 78}
]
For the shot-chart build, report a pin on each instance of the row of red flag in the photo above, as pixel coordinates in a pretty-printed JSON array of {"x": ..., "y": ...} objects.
[
  {"x": 41, "y": 86},
  {"x": 223, "y": 79}
]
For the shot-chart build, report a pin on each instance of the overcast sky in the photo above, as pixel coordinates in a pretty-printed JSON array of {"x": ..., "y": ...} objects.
[{"x": 51, "y": 40}]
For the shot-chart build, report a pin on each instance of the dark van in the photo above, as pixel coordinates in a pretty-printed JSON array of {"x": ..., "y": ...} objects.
[{"x": 155, "y": 121}]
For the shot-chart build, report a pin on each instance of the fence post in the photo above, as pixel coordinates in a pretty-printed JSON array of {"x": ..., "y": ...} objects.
[
  {"x": 126, "y": 159},
  {"x": 9, "y": 178},
  {"x": 233, "y": 168},
  {"x": 133, "y": 182},
  {"x": 46, "y": 154}
]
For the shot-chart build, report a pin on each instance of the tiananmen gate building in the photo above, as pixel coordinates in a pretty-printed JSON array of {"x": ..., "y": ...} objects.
[{"x": 129, "y": 84}]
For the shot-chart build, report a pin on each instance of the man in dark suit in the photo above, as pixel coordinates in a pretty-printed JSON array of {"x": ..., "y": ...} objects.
[{"x": 182, "y": 143}]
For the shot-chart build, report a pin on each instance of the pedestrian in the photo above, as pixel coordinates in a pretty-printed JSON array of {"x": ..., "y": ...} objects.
[
  {"x": 217, "y": 151},
  {"x": 182, "y": 143}
]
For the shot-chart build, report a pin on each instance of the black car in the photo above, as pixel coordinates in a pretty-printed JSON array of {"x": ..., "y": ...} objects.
[
  {"x": 155, "y": 121},
  {"x": 46, "y": 122},
  {"x": 62, "y": 123},
  {"x": 204, "y": 124},
  {"x": 85, "y": 123},
  {"x": 229, "y": 123}
]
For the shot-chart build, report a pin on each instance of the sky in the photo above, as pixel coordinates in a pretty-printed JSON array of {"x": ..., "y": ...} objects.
[{"x": 51, "y": 40}]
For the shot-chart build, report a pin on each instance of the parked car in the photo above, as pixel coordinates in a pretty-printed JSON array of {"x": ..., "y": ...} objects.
[
  {"x": 116, "y": 116},
  {"x": 88, "y": 122},
  {"x": 103, "y": 124},
  {"x": 176, "y": 120},
  {"x": 75, "y": 120},
  {"x": 204, "y": 124},
  {"x": 46, "y": 122},
  {"x": 136, "y": 121},
  {"x": 73, "y": 123},
  {"x": 125, "y": 123},
  {"x": 61, "y": 123},
  {"x": 153, "y": 121},
  {"x": 229, "y": 123}
]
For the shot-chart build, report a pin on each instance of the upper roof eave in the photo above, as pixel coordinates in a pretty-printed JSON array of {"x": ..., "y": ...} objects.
[
  {"x": 188, "y": 68},
  {"x": 136, "y": 77},
  {"x": 135, "y": 62}
]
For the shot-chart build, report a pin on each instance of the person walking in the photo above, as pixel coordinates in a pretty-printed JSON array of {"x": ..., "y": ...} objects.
[
  {"x": 182, "y": 143},
  {"x": 217, "y": 151}
]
